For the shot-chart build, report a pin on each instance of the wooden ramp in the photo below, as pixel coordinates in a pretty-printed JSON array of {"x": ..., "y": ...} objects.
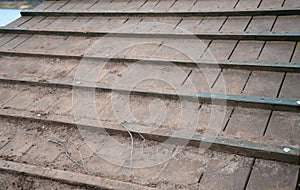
[{"x": 152, "y": 94}]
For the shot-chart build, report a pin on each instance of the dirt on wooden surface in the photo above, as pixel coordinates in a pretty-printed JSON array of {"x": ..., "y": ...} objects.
[{"x": 14, "y": 181}]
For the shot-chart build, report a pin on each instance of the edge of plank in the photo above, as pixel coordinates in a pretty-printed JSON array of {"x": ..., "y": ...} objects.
[{"x": 67, "y": 176}]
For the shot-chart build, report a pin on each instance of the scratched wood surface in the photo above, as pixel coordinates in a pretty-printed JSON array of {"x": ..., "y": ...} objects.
[{"x": 40, "y": 75}]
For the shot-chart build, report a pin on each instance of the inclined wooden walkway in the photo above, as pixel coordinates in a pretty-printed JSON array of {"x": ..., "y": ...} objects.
[{"x": 224, "y": 73}]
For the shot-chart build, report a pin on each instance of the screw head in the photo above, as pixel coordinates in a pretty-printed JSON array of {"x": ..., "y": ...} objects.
[
  {"x": 286, "y": 149},
  {"x": 298, "y": 102}
]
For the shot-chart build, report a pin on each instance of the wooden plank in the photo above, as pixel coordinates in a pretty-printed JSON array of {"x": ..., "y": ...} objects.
[
  {"x": 30, "y": 23},
  {"x": 247, "y": 51},
  {"x": 210, "y": 24},
  {"x": 84, "y": 5},
  {"x": 95, "y": 24},
  {"x": 212, "y": 120},
  {"x": 285, "y": 128},
  {"x": 116, "y": 5},
  {"x": 182, "y": 49},
  {"x": 291, "y": 3},
  {"x": 38, "y": 43},
  {"x": 6, "y": 95},
  {"x": 113, "y": 24},
  {"x": 291, "y": 86},
  {"x": 148, "y": 6},
  {"x": 228, "y": 172},
  {"x": 272, "y": 175},
  {"x": 42, "y": 103},
  {"x": 44, "y": 5},
  {"x": 63, "y": 106},
  {"x": 247, "y": 4},
  {"x": 57, "y": 5},
  {"x": 163, "y": 6},
  {"x": 287, "y": 24},
  {"x": 264, "y": 84},
  {"x": 219, "y": 50},
  {"x": 235, "y": 24},
  {"x": 296, "y": 56},
  {"x": 143, "y": 51},
  {"x": 30, "y": 69},
  {"x": 44, "y": 23},
  {"x": 277, "y": 51},
  {"x": 130, "y": 25},
  {"x": 78, "y": 23},
  {"x": 182, "y": 6},
  {"x": 231, "y": 82},
  {"x": 7, "y": 38},
  {"x": 60, "y": 23},
  {"x": 21, "y": 101},
  {"x": 16, "y": 42},
  {"x": 189, "y": 24},
  {"x": 70, "y": 5},
  {"x": 133, "y": 5},
  {"x": 205, "y": 5},
  {"x": 67, "y": 176},
  {"x": 245, "y": 122},
  {"x": 18, "y": 22},
  {"x": 271, "y": 4},
  {"x": 261, "y": 24},
  {"x": 18, "y": 146},
  {"x": 202, "y": 79},
  {"x": 99, "y": 6}
]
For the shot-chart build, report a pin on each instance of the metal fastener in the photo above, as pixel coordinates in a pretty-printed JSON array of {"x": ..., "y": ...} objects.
[{"x": 286, "y": 149}]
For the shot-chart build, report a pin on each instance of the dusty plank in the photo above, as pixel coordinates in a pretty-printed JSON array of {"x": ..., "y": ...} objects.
[
  {"x": 66, "y": 176},
  {"x": 247, "y": 50},
  {"x": 296, "y": 56},
  {"x": 291, "y": 3},
  {"x": 272, "y": 175},
  {"x": 246, "y": 4},
  {"x": 291, "y": 86},
  {"x": 209, "y": 24},
  {"x": 247, "y": 122},
  {"x": 264, "y": 84},
  {"x": 229, "y": 172},
  {"x": 271, "y": 4},
  {"x": 235, "y": 24},
  {"x": 284, "y": 127},
  {"x": 287, "y": 24},
  {"x": 213, "y": 5},
  {"x": 231, "y": 82},
  {"x": 217, "y": 50},
  {"x": 261, "y": 24},
  {"x": 277, "y": 51},
  {"x": 18, "y": 22}
]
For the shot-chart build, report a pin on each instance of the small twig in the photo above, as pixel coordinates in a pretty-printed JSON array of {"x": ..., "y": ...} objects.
[
  {"x": 67, "y": 153},
  {"x": 131, "y": 137}
]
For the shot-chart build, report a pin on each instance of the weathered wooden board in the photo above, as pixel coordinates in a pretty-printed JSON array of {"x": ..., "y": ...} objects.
[
  {"x": 247, "y": 51},
  {"x": 235, "y": 24},
  {"x": 272, "y": 175},
  {"x": 261, "y": 24},
  {"x": 277, "y": 51}
]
